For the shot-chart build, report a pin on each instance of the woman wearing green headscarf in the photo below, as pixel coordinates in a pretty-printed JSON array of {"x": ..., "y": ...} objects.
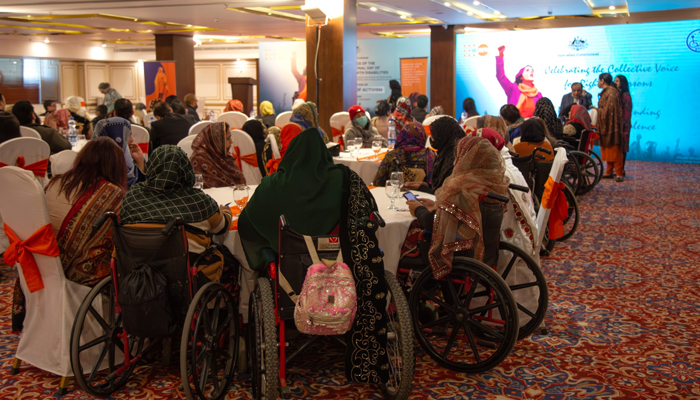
[
  {"x": 315, "y": 196},
  {"x": 168, "y": 193}
]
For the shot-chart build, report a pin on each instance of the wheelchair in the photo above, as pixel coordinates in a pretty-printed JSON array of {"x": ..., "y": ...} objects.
[
  {"x": 206, "y": 313},
  {"x": 586, "y": 169},
  {"x": 536, "y": 173},
  {"x": 475, "y": 298},
  {"x": 270, "y": 308}
]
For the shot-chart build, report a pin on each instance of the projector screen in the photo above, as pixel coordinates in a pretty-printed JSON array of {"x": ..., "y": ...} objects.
[{"x": 660, "y": 60}]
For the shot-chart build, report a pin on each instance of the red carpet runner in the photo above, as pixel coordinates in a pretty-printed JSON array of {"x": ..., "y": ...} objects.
[{"x": 624, "y": 315}]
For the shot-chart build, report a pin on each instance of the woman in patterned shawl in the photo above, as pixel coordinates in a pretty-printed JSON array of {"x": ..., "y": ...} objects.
[
  {"x": 304, "y": 116},
  {"x": 409, "y": 155},
  {"x": 544, "y": 109},
  {"x": 308, "y": 185},
  {"x": 169, "y": 193},
  {"x": 610, "y": 128},
  {"x": 402, "y": 114},
  {"x": 119, "y": 130},
  {"x": 212, "y": 158}
]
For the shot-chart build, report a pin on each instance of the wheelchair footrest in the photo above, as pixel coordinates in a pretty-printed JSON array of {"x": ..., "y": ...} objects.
[{"x": 286, "y": 392}]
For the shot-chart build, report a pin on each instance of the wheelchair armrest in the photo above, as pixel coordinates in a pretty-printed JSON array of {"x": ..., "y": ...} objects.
[
  {"x": 565, "y": 145},
  {"x": 514, "y": 155},
  {"x": 539, "y": 157},
  {"x": 543, "y": 150},
  {"x": 519, "y": 188}
]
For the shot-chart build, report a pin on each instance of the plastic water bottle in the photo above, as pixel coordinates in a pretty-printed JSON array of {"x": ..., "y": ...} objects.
[
  {"x": 212, "y": 118},
  {"x": 150, "y": 123},
  {"x": 252, "y": 114},
  {"x": 391, "y": 135},
  {"x": 464, "y": 117},
  {"x": 72, "y": 132}
]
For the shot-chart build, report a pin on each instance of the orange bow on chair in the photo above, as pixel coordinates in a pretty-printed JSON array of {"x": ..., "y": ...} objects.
[
  {"x": 273, "y": 165},
  {"x": 38, "y": 168},
  {"x": 41, "y": 242},
  {"x": 555, "y": 200},
  {"x": 250, "y": 159},
  {"x": 339, "y": 132},
  {"x": 143, "y": 147}
]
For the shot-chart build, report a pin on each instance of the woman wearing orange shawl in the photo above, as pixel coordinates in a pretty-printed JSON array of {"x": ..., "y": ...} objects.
[
  {"x": 234, "y": 105},
  {"x": 212, "y": 157},
  {"x": 161, "y": 84}
]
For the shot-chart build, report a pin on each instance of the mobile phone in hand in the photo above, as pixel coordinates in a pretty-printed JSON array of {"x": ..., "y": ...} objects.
[{"x": 410, "y": 196}]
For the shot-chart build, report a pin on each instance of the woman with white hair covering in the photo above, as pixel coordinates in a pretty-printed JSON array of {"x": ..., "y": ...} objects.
[{"x": 79, "y": 115}]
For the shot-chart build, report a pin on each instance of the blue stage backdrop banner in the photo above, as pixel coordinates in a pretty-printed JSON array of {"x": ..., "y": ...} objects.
[
  {"x": 660, "y": 60},
  {"x": 379, "y": 61},
  {"x": 282, "y": 73}
]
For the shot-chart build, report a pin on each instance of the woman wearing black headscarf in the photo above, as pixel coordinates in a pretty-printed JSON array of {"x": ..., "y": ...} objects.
[
  {"x": 255, "y": 128},
  {"x": 534, "y": 135},
  {"x": 544, "y": 109},
  {"x": 445, "y": 133}
]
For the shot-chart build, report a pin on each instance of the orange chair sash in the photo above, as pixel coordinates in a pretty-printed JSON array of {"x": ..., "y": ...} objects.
[
  {"x": 379, "y": 156},
  {"x": 38, "y": 168},
  {"x": 250, "y": 159},
  {"x": 144, "y": 147},
  {"x": 337, "y": 132},
  {"x": 555, "y": 200},
  {"x": 41, "y": 242},
  {"x": 591, "y": 140}
]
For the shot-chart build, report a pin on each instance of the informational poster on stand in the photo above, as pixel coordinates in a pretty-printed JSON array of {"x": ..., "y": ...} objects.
[
  {"x": 282, "y": 73},
  {"x": 660, "y": 60},
  {"x": 414, "y": 77},
  {"x": 159, "y": 77}
]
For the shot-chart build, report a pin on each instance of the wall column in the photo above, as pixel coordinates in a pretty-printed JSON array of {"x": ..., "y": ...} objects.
[
  {"x": 178, "y": 48},
  {"x": 443, "y": 80},
  {"x": 337, "y": 64}
]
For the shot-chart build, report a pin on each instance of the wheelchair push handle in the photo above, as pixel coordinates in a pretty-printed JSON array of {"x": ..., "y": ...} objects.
[
  {"x": 376, "y": 218},
  {"x": 103, "y": 218},
  {"x": 168, "y": 228},
  {"x": 498, "y": 197},
  {"x": 543, "y": 150},
  {"x": 519, "y": 188},
  {"x": 539, "y": 157}
]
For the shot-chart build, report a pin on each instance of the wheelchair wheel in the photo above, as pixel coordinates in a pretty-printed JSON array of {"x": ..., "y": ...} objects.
[
  {"x": 528, "y": 286},
  {"x": 399, "y": 342},
  {"x": 472, "y": 299},
  {"x": 96, "y": 333},
  {"x": 589, "y": 172},
  {"x": 573, "y": 219},
  {"x": 572, "y": 173},
  {"x": 262, "y": 346},
  {"x": 599, "y": 163},
  {"x": 209, "y": 345}
]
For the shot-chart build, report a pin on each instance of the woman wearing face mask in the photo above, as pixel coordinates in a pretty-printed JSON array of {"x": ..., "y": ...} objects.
[
  {"x": 522, "y": 93},
  {"x": 361, "y": 128}
]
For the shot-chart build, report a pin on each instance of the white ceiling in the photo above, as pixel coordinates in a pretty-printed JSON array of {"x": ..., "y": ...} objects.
[{"x": 213, "y": 14}]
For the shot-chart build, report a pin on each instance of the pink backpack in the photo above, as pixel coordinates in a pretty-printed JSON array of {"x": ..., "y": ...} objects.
[{"x": 328, "y": 301}]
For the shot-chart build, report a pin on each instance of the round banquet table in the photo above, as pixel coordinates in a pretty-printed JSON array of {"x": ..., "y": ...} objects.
[
  {"x": 365, "y": 167},
  {"x": 391, "y": 237}
]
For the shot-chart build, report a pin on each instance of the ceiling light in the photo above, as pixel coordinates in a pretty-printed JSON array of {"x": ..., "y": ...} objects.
[
  {"x": 447, "y": 4},
  {"x": 476, "y": 3},
  {"x": 373, "y": 8},
  {"x": 189, "y": 26},
  {"x": 140, "y": 60},
  {"x": 470, "y": 13},
  {"x": 612, "y": 7},
  {"x": 238, "y": 59},
  {"x": 104, "y": 45},
  {"x": 269, "y": 13},
  {"x": 496, "y": 12},
  {"x": 46, "y": 40},
  {"x": 403, "y": 16}
]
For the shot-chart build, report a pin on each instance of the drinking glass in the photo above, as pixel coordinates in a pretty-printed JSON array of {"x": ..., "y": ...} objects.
[
  {"x": 392, "y": 191},
  {"x": 198, "y": 181},
  {"x": 376, "y": 147},
  {"x": 82, "y": 141},
  {"x": 351, "y": 147},
  {"x": 240, "y": 196},
  {"x": 358, "y": 146},
  {"x": 397, "y": 176}
]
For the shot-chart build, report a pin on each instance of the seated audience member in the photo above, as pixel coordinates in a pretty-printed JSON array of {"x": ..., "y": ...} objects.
[
  {"x": 511, "y": 116},
  {"x": 497, "y": 124},
  {"x": 446, "y": 132},
  {"x": 24, "y": 111},
  {"x": 179, "y": 108},
  {"x": 304, "y": 117},
  {"x": 79, "y": 115},
  {"x": 190, "y": 101},
  {"x": 578, "y": 121},
  {"x": 408, "y": 156},
  {"x": 2, "y": 102},
  {"x": 119, "y": 130},
  {"x": 267, "y": 114},
  {"x": 9, "y": 127},
  {"x": 361, "y": 128},
  {"x": 170, "y": 128},
  {"x": 402, "y": 114},
  {"x": 257, "y": 131},
  {"x": 297, "y": 103},
  {"x": 478, "y": 170},
  {"x": 169, "y": 100},
  {"x": 234, "y": 105},
  {"x": 534, "y": 134},
  {"x": 419, "y": 113},
  {"x": 382, "y": 116},
  {"x": 101, "y": 114},
  {"x": 152, "y": 105},
  {"x": 212, "y": 157},
  {"x": 577, "y": 96},
  {"x": 267, "y": 154},
  {"x": 124, "y": 109},
  {"x": 169, "y": 193},
  {"x": 469, "y": 107},
  {"x": 140, "y": 112},
  {"x": 49, "y": 107},
  {"x": 544, "y": 109}
]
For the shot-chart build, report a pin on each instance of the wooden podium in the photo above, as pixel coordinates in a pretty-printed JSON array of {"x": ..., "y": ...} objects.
[{"x": 242, "y": 89}]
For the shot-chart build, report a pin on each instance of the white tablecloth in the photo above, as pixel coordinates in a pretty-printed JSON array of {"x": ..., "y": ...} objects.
[
  {"x": 391, "y": 237},
  {"x": 366, "y": 168}
]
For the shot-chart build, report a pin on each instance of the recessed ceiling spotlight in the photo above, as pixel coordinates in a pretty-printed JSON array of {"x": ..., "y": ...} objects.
[
  {"x": 269, "y": 13},
  {"x": 476, "y": 3},
  {"x": 140, "y": 60},
  {"x": 470, "y": 13},
  {"x": 104, "y": 45},
  {"x": 612, "y": 7},
  {"x": 238, "y": 59},
  {"x": 403, "y": 17},
  {"x": 46, "y": 40},
  {"x": 447, "y": 4},
  {"x": 189, "y": 25},
  {"x": 496, "y": 12}
]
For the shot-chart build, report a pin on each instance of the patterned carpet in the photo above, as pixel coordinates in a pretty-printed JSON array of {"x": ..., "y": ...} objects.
[{"x": 624, "y": 315}]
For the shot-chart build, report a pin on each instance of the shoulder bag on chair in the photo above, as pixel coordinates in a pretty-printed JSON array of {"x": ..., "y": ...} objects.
[{"x": 328, "y": 301}]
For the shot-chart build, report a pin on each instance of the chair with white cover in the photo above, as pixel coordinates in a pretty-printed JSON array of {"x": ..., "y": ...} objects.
[
  {"x": 34, "y": 152},
  {"x": 25, "y": 131},
  {"x": 141, "y": 138},
  {"x": 283, "y": 119},
  {"x": 51, "y": 301},
  {"x": 196, "y": 128},
  {"x": 62, "y": 162},
  {"x": 273, "y": 145},
  {"x": 593, "y": 112},
  {"x": 234, "y": 119},
  {"x": 243, "y": 149},
  {"x": 471, "y": 121},
  {"x": 338, "y": 122},
  {"x": 186, "y": 145},
  {"x": 147, "y": 120}
]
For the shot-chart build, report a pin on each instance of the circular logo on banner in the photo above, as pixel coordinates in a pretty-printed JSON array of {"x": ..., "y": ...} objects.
[
  {"x": 483, "y": 50},
  {"x": 693, "y": 41}
]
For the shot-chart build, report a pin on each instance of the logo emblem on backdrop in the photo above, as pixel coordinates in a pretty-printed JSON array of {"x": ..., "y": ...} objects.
[
  {"x": 483, "y": 50},
  {"x": 578, "y": 44},
  {"x": 693, "y": 41}
]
